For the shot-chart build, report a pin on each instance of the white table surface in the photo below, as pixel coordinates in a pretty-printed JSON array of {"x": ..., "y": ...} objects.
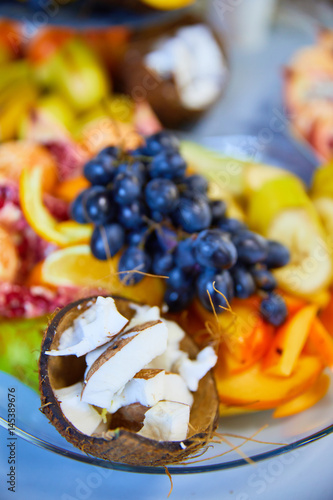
[{"x": 305, "y": 474}]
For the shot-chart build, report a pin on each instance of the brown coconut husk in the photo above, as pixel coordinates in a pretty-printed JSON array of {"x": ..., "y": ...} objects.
[{"x": 120, "y": 443}]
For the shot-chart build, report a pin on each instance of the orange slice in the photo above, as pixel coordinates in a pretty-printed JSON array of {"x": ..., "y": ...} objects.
[
  {"x": 76, "y": 266},
  {"x": 44, "y": 224},
  {"x": 69, "y": 189}
]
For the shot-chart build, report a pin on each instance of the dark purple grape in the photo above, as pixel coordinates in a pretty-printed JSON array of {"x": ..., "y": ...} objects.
[
  {"x": 135, "y": 168},
  {"x": 167, "y": 239},
  {"x": 162, "y": 264},
  {"x": 161, "y": 195},
  {"x": 278, "y": 255},
  {"x": 137, "y": 236},
  {"x": 192, "y": 215},
  {"x": 168, "y": 165},
  {"x": 184, "y": 255},
  {"x": 230, "y": 225},
  {"x": 178, "y": 299},
  {"x": 77, "y": 208},
  {"x": 218, "y": 209},
  {"x": 133, "y": 259},
  {"x": 213, "y": 248},
  {"x": 244, "y": 284},
  {"x": 222, "y": 282},
  {"x": 263, "y": 278},
  {"x": 195, "y": 184},
  {"x": 251, "y": 247},
  {"x": 126, "y": 188},
  {"x": 131, "y": 216},
  {"x": 107, "y": 240},
  {"x": 179, "y": 279},
  {"x": 156, "y": 216},
  {"x": 102, "y": 169},
  {"x": 161, "y": 141},
  {"x": 274, "y": 309},
  {"x": 99, "y": 206}
]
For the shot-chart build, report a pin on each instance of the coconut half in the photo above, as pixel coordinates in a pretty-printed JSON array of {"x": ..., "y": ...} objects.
[{"x": 119, "y": 443}]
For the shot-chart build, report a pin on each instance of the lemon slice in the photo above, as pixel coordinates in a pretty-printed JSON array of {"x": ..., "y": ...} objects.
[{"x": 44, "y": 224}]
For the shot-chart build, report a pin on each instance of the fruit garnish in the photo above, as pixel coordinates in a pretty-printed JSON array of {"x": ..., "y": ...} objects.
[
  {"x": 18, "y": 155},
  {"x": 40, "y": 219},
  {"x": 76, "y": 266},
  {"x": 145, "y": 396},
  {"x": 20, "y": 341},
  {"x": 138, "y": 195}
]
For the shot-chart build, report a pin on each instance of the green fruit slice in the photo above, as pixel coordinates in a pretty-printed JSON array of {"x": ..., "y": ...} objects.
[
  {"x": 223, "y": 172},
  {"x": 322, "y": 182},
  {"x": 275, "y": 196}
]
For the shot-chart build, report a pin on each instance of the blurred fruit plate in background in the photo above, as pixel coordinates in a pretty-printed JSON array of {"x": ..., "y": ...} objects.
[{"x": 308, "y": 91}]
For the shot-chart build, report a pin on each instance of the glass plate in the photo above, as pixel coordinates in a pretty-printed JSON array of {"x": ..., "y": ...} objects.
[{"x": 271, "y": 437}]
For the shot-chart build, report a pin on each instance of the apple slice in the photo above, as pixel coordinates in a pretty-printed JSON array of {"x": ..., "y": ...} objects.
[
  {"x": 303, "y": 402},
  {"x": 289, "y": 342},
  {"x": 322, "y": 342},
  {"x": 310, "y": 268},
  {"x": 256, "y": 390},
  {"x": 290, "y": 218}
]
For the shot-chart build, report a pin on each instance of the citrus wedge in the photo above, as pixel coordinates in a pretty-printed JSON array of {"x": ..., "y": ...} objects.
[
  {"x": 44, "y": 224},
  {"x": 76, "y": 266}
]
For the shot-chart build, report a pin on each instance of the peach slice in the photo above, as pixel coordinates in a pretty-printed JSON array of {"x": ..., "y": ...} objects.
[
  {"x": 303, "y": 402},
  {"x": 289, "y": 342},
  {"x": 256, "y": 390},
  {"x": 321, "y": 342},
  {"x": 326, "y": 316}
]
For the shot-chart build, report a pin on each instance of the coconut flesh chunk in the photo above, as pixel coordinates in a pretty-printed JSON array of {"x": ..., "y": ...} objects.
[
  {"x": 166, "y": 421},
  {"x": 150, "y": 386},
  {"x": 91, "y": 329},
  {"x": 82, "y": 415},
  {"x": 172, "y": 352},
  {"x": 143, "y": 314},
  {"x": 146, "y": 388},
  {"x": 122, "y": 360},
  {"x": 192, "y": 371},
  {"x": 175, "y": 389}
]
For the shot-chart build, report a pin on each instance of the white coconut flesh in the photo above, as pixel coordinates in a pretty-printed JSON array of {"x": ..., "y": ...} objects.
[
  {"x": 166, "y": 421},
  {"x": 138, "y": 365},
  {"x": 91, "y": 329},
  {"x": 82, "y": 415}
]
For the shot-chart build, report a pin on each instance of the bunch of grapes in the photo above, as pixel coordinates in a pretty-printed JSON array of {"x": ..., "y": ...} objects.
[{"x": 144, "y": 203}]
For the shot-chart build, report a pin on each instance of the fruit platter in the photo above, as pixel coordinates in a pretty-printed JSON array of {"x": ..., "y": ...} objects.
[
  {"x": 162, "y": 303},
  {"x": 159, "y": 222}
]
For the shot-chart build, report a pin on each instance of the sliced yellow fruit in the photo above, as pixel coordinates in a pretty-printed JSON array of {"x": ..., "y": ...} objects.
[
  {"x": 253, "y": 389},
  {"x": 306, "y": 400},
  {"x": 31, "y": 197},
  {"x": 76, "y": 266},
  {"x": 167, "y": 4},
  {"x": 275, "y": 196},
  {"x": 322, "y": 182}
]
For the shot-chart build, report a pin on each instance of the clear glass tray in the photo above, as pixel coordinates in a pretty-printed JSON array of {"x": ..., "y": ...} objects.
[
  {"x": 283, "y": 434},
  {"x": 271, "y": 437}
]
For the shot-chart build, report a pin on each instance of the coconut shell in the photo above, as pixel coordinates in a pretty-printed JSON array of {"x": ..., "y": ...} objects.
[{"x": 119, "y": 444}]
